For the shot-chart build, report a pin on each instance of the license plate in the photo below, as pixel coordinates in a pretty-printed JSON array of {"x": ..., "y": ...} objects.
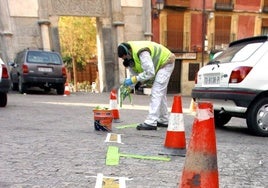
[
  {"x": 44, "y": 69},
  {"x": 211, "y": 79}
]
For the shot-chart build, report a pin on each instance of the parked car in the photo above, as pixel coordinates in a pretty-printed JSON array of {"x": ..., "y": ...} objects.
[
  {"x": 236, "y": 82},
  {"x": 38, "y": 68},
  {"x": 4, "y": 83}
]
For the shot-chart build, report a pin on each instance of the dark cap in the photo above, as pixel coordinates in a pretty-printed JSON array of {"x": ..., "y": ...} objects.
[{"x": 123, "y": 49}]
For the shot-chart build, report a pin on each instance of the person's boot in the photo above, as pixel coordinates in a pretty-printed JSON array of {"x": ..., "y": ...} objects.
[
  {"x": 145, "y": 126},
  {"x": 162, "y": 124}
]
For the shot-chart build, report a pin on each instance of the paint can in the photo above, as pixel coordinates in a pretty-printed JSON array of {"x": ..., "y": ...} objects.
[{"x": 103, "y": 120}]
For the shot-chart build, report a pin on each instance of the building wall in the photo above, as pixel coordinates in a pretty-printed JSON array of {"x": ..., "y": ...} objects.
[
  {"x": 123, "y": 20},
  {"x": 34, "y": 24},
  {"x": 246, "y": 20},
  {"x": 245, "y": 23}
]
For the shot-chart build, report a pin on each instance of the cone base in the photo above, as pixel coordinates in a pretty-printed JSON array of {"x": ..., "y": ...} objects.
[
  {"x": 203, "y": 178},
  {"x": 173, "y": 152}
]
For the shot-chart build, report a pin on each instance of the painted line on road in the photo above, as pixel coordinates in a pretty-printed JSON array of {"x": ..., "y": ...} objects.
[
  {"x": 127, "y": 126},
  {"x": 129, "y": 107},
  {"x": 135, "y": 107}
]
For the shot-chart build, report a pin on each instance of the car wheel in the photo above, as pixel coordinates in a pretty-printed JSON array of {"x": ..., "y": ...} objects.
[
  {"x": 22, "y": 86},
  {"x": 257, "y": 118},
  {"x": 3, "y": 99},
  {"x": 221, "y": 119},
  {"x": 60, "y": 89}
]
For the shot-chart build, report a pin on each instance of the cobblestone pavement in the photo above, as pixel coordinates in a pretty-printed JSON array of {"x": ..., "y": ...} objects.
[{"x": 50, "y": 141}]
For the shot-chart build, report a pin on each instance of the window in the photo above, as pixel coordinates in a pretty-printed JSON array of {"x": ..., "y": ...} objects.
[
  {"x": 264, "y": 30},
  {"x": 43, "y": 57},
  {"x": 193, "y": 69},
  {"x": 264, "y": 27},
  {"x": 222, "y": 31},
  {"x": 237, "y": 53},
  {"x": 265, "y": 6},
  {"x": 224, "y": 1},
  {"x": 226, "y": 5},
  {"x": 174, "y": 34},
  {"x": 178, "y": 3}
]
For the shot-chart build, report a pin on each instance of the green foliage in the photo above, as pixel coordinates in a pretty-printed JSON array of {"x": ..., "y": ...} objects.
[
  {"x": 78, "y": 39},
  {"x": 84, "y": 86},
  {"x": 68, "y": 62},
  {"x": 125, "y": 91}
]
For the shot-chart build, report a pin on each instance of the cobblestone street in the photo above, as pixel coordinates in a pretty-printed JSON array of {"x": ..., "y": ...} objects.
[{"x": 50, "y": 141}]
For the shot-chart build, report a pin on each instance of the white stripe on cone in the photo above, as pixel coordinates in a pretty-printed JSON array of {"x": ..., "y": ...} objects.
[{"x": 176, "y": 122}]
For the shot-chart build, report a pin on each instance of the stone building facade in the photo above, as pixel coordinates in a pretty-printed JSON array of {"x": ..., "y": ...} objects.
[
  {"x": 34, "y": 24},
  {"x": 192, "y": 29},
  {"x": 196, "y": 29}
]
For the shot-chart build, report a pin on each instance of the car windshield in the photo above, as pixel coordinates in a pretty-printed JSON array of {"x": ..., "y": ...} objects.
[
  {"x": 236, "y": 53},
  {"x": 43, "y": 57}
]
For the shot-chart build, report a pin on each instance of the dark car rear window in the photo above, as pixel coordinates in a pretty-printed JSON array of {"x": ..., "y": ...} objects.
[{"x": 43, "y": 57}]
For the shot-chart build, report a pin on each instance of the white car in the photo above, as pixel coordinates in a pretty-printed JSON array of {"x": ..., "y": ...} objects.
[
  {"x": 4, "y": 83},
  {"x": 236, "y": 82}
]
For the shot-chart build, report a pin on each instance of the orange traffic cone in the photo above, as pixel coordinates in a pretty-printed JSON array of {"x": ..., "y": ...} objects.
[
  {"x": 67, "y": 89},
  {"x": 192, "y": 108},
  {"x": 200, "y": 167},
  {"x": 113, "y": 106},
  {"x": 175, "y": 143}
]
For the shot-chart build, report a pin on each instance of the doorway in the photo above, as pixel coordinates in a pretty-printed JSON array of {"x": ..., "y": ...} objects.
[{"x": 174, "y": 85}]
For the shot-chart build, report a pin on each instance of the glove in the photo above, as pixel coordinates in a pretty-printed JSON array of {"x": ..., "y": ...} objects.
[{"x": 130, "y": 81}]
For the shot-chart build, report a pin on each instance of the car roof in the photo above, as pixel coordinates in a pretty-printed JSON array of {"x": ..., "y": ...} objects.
[
  {"x": 37, "y": 50},
  {"x": 261, "y": 38}
]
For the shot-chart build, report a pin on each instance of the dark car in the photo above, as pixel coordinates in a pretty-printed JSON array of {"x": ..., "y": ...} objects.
[
  {"x": 38, "y": 68},
  {"x": 4, "y": 83}
]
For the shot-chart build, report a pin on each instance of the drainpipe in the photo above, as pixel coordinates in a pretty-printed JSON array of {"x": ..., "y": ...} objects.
[{"x": 203, "y": 30}]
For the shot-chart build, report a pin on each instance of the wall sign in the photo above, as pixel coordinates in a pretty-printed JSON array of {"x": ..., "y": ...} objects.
[{"x": 185, "y": 55}]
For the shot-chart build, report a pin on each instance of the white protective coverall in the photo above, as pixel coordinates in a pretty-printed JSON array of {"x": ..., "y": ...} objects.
[{"x": 158, "y": 110}]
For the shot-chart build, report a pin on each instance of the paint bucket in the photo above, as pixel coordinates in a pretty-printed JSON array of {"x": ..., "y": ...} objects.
[{"x": 103, "y": 120}]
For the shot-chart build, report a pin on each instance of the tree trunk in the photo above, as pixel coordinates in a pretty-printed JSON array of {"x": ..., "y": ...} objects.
[{"x": 75, "y": 73}]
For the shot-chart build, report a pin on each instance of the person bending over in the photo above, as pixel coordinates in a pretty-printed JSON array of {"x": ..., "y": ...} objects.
[{"x": 147, "y": 60}]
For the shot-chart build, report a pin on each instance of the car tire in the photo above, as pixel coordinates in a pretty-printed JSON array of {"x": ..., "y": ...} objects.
[
  {"x": 257, "y": 118},
  {"x": 60, "y": 89},
  {"x": 22, "y": 87},
  {"x": 3, "y": 99},
  {"x": 221, "y": 119}
]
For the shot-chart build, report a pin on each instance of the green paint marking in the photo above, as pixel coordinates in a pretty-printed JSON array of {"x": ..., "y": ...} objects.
[
  {"x": 145, "y": 157},
  {"x": 113, "y": 156},
  {"x": 127, "y": 126}
]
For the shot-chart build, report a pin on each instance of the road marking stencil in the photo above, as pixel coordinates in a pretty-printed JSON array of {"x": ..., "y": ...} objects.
[
  {"x": 112, "y": 137},
  {"x": 110, "y": 182}
]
